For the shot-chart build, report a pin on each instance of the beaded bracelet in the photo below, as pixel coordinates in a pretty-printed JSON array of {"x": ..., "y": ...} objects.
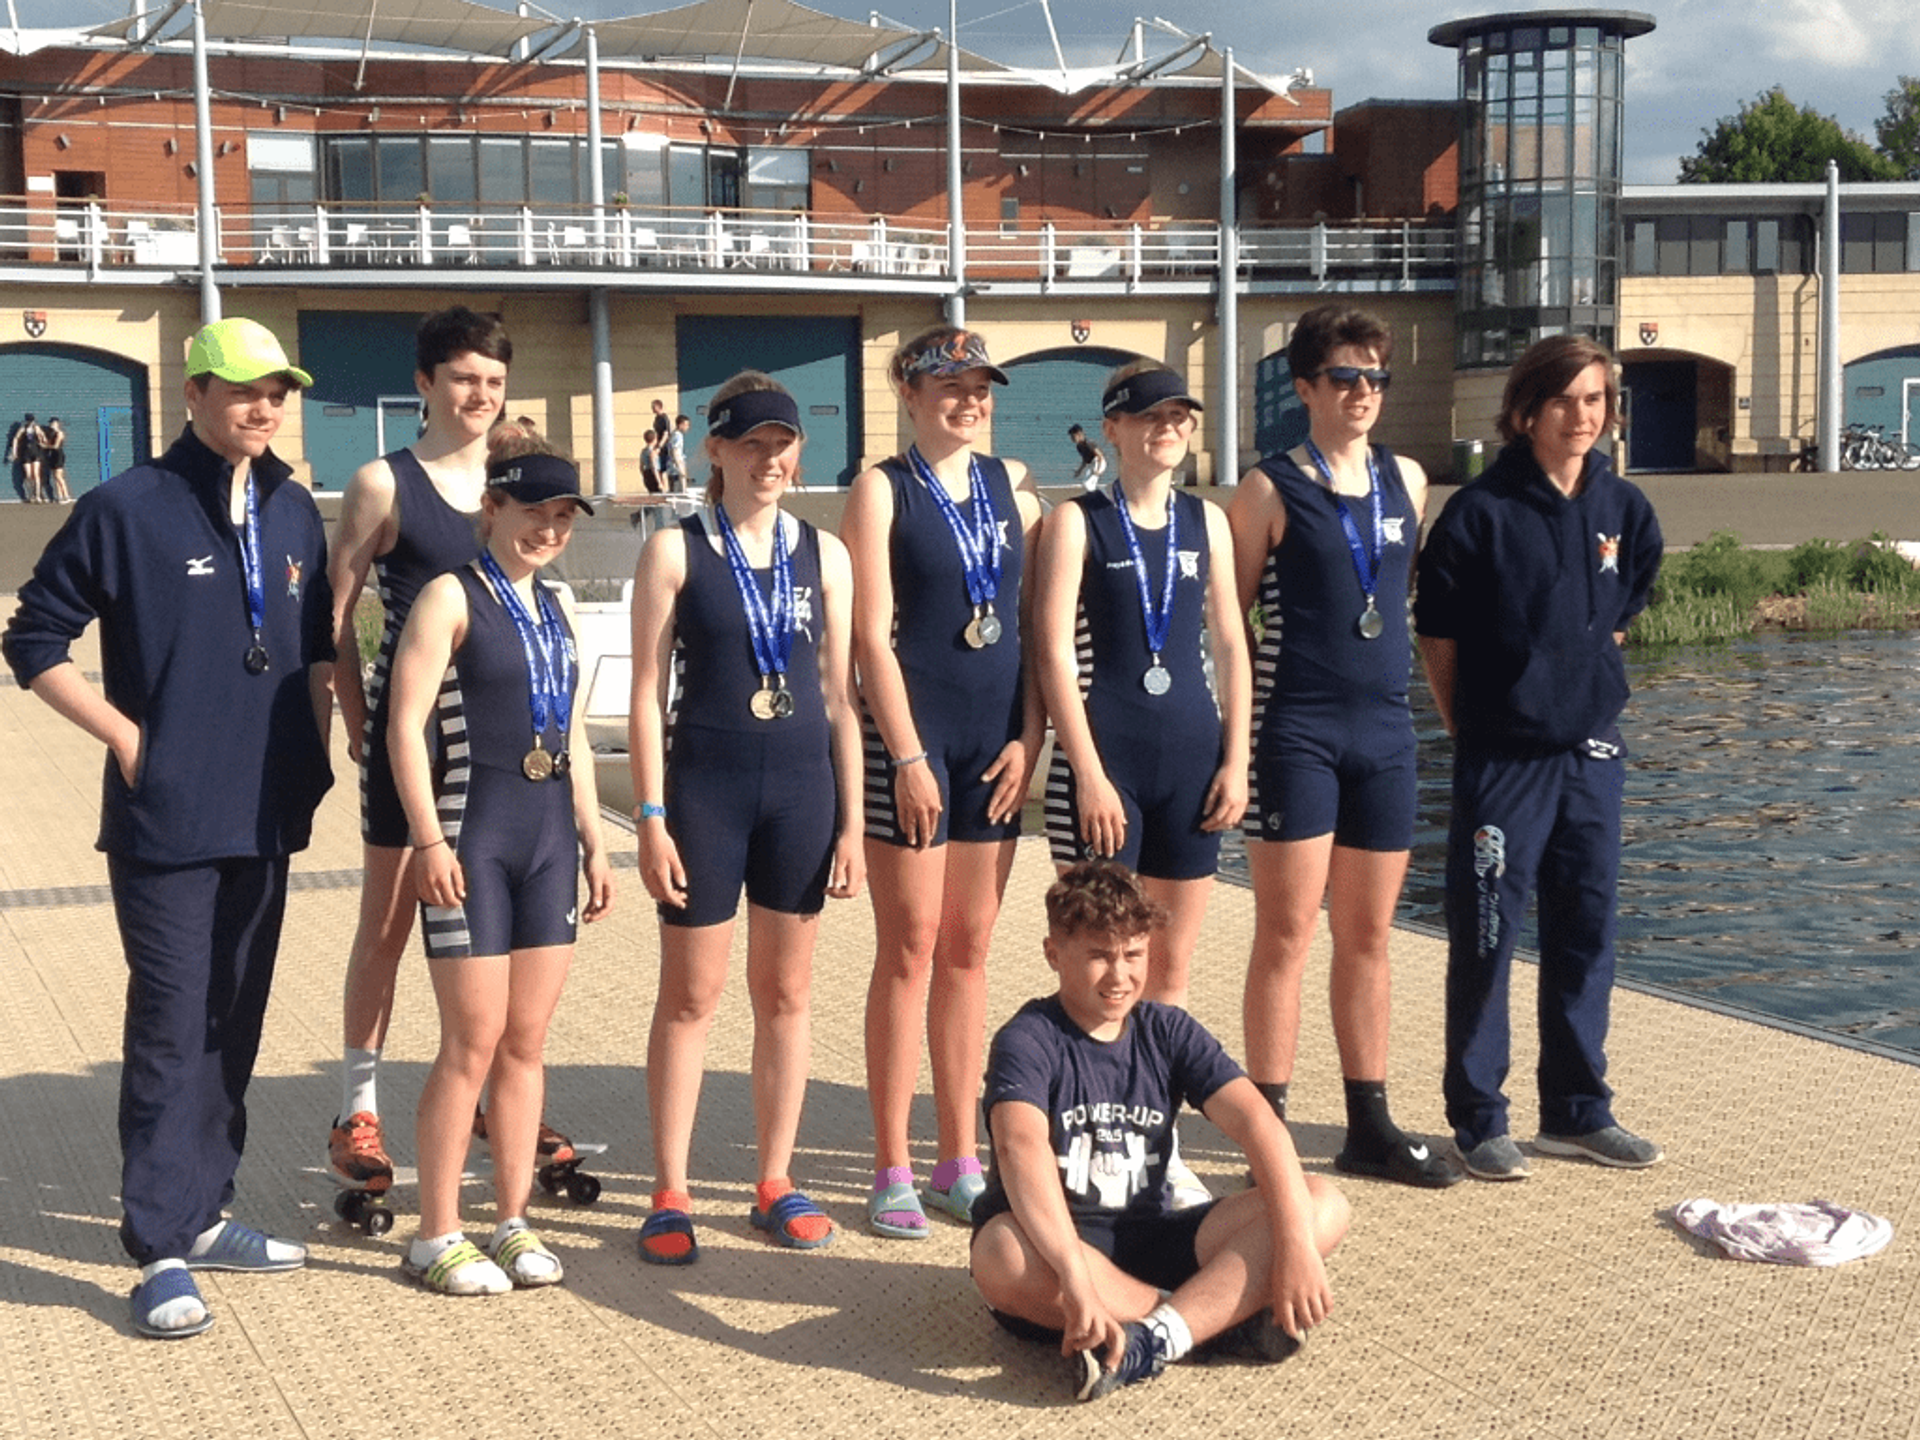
[{"x": 906, "y": 760}]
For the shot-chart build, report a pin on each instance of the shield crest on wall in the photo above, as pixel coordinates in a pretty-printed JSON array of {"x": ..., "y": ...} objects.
[
  {"x": 35, "y": 322},
  {"x": 1649, "y": 332},
  {"x": 1081, "y": 330}
]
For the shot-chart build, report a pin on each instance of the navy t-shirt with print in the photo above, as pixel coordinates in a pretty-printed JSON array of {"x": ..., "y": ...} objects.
[{"x": 1110, "y": 1104}]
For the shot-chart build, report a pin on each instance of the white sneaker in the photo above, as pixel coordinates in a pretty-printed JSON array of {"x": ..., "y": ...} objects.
[{"x": 1186, "y": 1188}]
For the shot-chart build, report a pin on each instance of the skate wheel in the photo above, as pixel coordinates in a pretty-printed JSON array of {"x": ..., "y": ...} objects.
[
  {"x": 378, "y": 1220},
  {"x": 583, "y": 1189},
  {"x": 550, "y": 1179},
  {"x": 344, "y": 1204}
]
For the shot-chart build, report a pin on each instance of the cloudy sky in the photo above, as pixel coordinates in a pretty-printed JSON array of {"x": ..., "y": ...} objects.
[{"x": 1705, "y": 57}]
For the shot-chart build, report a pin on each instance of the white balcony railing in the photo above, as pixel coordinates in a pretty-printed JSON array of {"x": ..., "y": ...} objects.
[{"x": 362, "y": 237}]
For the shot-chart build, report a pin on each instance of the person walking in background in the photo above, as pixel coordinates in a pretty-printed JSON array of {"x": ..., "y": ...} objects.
[
  {"x": 1093, "y": 461},
  {"x": 940, "y": 539},
  {"x": 206, "y": 572},
  {"x": 53, "y": 461},
  {"x": 1324, "y": 540},
  {"x": 24, "y": 451},
  {"x": 749, "y": 610},
  {"x": 676, "y": 466},
  {"x": 1527, "y": 585}
]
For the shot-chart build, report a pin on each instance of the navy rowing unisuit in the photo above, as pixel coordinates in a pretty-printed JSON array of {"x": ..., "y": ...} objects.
[
  {"x": 518, "y": 847},
  {"x": 1333, "y": 745},
  {"x": 966, "y": 701},
  {"x": 434, "y": 538},
  {"x": 749, "y": 801},
  {"x": 1161, "y": 752}
]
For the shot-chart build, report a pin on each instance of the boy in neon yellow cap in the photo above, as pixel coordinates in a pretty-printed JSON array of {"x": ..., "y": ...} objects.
[{"x": 206, "y": 569}]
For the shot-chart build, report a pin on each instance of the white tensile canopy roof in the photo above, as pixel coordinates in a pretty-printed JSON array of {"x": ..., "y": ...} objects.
[
  {"x": 445, "y": 24},
  {"x": 727, "y": 31}
]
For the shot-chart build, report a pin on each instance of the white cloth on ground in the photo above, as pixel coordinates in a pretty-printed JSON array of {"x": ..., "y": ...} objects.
[{"x": 1817, "y": 1233}]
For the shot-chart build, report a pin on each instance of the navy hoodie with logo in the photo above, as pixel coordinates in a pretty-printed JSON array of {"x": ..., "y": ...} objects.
[
  {"x": 1531, "y": 586},
  {"x": 231, "y": 764}
]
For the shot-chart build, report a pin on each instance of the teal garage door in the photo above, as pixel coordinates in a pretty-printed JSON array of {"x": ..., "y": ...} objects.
[
  {"x": 816, "y": 357},
  {"x": 1049, "y": 392},
  {"x": 362, "y": 395},
  {"x": 1884, "y": 389},
  {"x": 100, "y": 398}
]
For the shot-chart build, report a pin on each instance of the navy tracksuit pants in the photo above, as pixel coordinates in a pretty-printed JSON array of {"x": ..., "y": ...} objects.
[
  {"x": 1552, "y": 824},
  {"x": 200, "y": 943}
]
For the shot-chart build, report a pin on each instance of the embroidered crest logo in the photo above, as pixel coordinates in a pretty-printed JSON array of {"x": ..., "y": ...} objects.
[
  {"x": 293, "y": 578},
  {"x": 1391, "y": 527},
  {"x": 1609, "y": 554},
  {"x": 1189, "y": 564},
  {"x": 34, "y": 322}
]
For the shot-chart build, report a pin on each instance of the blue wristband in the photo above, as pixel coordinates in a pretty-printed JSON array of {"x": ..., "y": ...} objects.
[{"x": 650, "y": 811}]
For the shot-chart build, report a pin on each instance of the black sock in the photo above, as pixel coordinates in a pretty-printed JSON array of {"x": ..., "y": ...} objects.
[
  {"x": 1275, "y": 1094},
  {"x": 1370, "y": 1128}
]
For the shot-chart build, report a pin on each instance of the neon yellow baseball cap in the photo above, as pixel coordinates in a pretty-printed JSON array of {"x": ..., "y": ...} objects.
[{"x": 241, "y": 351}]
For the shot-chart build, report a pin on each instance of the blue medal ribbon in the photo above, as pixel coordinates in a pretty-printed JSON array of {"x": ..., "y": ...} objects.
[
  {"x": 770, "y": 630},
  {"x": 979, "y": 544},
  {"x": 250, "y": 563},
  {"x": 551, "y": 662},
  {"x": 1159, "y": 622},
  {"x": 1365, "y": 565}
]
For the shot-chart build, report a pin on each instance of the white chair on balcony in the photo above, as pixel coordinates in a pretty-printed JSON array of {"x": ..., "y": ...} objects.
[
  {"x": 357, "y": 244},
  {"x": 573, "y": 243},
  {"x": 279, "y": 246},
  {"x": 66, "y": 237},
  {"x": 460, "y": 244},
  {"x": 645, "y": 243}
]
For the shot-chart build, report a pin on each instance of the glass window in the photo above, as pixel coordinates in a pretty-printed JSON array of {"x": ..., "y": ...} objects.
[
  {"x": 1796, "y": 245},
  {"x": 1642, "y": 254},
  {"x": 403, "y": 171},
  {"x": 646, "y": 170},
  {"x": 550, "y": 172},
  {"x": 272, "y": 150},
  {"x": 725, "y": 174},
  {"x": 450, "y": 170},
  {"x": 1889, "y": 243},
  {"x": 349, "y": 168},
  {"x": 778, "y": 178},
  {"x": 1733, "y": 258},
  {"x": 503, "y": 170},
  {"x": 1703, "y": 245},
  {"x": 1856, "y": 244},
  {"x": 1672, "y": 230},
  {"x": 687, "y": 177},
  {"x": 1913, "y": 242},
  {"x": 1766, "y": 246}
]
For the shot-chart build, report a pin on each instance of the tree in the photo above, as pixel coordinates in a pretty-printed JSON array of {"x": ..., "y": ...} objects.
[
  {"x": 1772, "y": 140},
  {"x": 1899, "y": 129}
]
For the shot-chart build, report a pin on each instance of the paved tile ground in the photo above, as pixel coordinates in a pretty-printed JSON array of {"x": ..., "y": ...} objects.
[{"x": 1567, "y": 1306}]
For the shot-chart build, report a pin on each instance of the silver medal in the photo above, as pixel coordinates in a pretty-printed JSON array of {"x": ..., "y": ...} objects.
[
  {"x": 1158, "y": 679},
  {"x": 1372, "y": 625}
]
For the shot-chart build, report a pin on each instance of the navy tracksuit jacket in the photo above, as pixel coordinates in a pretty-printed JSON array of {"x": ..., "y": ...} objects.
[
  {"x": 1531, "y": 586},
  {"x": 230, "y": 770}
]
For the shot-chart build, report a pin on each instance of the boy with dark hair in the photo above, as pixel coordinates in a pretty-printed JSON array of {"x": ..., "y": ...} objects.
[
  {"x": 1528, "y": 582},
  {"x": 1075, "y": 1240},
  {"x": 407, "y": 517},
  {"x": 204, "y": 571}
]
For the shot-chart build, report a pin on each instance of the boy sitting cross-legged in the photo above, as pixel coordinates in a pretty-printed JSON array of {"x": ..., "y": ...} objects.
[{"x": 1075, "y": 1240}]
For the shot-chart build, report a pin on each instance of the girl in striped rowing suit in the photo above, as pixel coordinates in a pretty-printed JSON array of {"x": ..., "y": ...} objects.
[{"x": 498, "y": 845}]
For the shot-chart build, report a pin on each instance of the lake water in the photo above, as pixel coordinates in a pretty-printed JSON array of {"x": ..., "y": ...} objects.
[{"x": 1772, "y": 831}]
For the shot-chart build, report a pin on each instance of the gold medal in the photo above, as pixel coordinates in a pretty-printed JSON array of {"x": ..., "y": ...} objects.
[
  {"x": 538, "y": 765},
  {"x": 762, "y": 704}
]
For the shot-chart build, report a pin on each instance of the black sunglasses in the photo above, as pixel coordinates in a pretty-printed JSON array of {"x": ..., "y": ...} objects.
[{"x": 1345, "y": 377}]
